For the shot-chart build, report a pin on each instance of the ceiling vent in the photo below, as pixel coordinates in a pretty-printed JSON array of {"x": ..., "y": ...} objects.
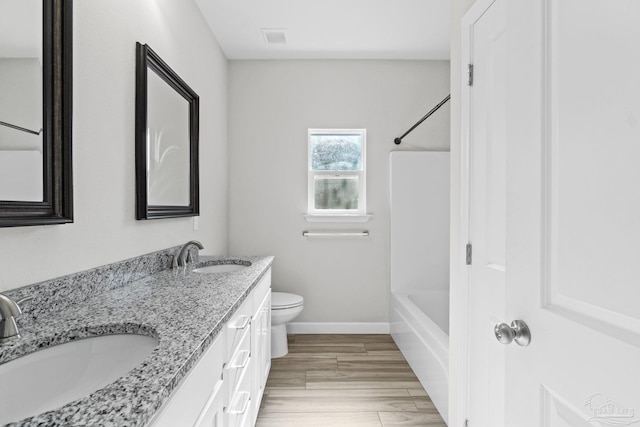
[{"x": 274, "y": 35}]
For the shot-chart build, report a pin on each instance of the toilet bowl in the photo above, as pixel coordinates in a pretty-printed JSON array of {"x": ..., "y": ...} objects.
[{"x": 284, "y": 308}]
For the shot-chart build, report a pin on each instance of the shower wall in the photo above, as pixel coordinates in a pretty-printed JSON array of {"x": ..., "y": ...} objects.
[{"x": 419, "y": 220}]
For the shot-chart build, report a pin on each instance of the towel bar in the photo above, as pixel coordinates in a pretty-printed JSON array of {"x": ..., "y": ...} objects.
[{"x": 335, "y": 233}]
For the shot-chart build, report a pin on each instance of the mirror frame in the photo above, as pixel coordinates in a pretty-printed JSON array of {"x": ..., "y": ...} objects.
[
  {"x": 57, "y": 71},
  {"x": 147, "y": 59}
]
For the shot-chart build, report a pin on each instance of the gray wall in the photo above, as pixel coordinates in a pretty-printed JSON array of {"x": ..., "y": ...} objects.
[
  {"x": 271, "y": 106},
  {"x": 105, "y": 229}
]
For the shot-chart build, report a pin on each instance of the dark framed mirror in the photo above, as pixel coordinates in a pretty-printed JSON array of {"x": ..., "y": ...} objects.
[
  {"x": 167, "y": 130},
  {"x": 36, "y": 185}
]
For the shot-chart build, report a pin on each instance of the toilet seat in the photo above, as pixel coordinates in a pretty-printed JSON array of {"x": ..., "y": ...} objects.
[{"x": 285, "y": 300}]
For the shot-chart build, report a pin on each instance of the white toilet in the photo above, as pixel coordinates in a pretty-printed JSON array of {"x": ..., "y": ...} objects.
[{"x": 284, "y": 308}]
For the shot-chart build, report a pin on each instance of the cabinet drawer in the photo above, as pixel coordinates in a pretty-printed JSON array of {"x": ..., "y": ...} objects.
[
  {"x": 238, "y": 326},
  {"x": 240, "y": 406},
  {"x": 239, "y": 363},
  {"x": 238, "y": 411}
]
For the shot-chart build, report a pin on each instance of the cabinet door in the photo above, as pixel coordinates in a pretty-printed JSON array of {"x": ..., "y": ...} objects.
[
  {"x": 213, "y": 414},
  {"x": 265, "y": 341},
  {"x": 188, "y": 399},
  {"x": 261, "y": 349}
]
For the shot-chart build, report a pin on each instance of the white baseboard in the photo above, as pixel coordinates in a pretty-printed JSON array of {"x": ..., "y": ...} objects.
[{"x": 338, "y": 328}]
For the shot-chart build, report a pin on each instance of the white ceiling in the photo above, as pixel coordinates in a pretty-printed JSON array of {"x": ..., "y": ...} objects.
[{"x": 337, "y": 29}]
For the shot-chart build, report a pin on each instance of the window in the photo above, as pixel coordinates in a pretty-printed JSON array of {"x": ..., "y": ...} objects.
[{"x": 337, "y": 172}]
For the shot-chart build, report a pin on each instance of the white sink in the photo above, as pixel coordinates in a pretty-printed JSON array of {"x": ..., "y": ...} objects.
[
  {"x": 220, "y": 268},
  {"x": 50, "y": 378}
]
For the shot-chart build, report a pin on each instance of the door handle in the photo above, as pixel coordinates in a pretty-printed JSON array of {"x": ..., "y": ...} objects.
[{"x": 518, "y": 332}]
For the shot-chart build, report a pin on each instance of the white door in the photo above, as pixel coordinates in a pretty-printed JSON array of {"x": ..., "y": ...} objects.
[
  {"x": 572, "y": 109},
  {"x": 487, "y": 191}
]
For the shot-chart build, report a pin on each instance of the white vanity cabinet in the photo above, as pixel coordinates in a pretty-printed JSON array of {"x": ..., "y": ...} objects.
[
  {"x": 238, "y": 373},
  {"x": 225, "y": 387},
  {"x": 250, "y": 355}
]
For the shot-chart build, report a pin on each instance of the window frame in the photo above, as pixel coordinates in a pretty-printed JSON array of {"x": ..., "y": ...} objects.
[{"x": 360, "y": 174}]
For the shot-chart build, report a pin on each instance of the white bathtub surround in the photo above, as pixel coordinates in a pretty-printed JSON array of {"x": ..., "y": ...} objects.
[
  {"x": 419, "y": 307},
  {"x": 433, "y": 303},
  {"x": 419, "y": 220}
]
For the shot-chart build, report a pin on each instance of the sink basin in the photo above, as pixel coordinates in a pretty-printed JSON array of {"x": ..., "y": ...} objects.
[
  {"x": 220, "y": 268},
  {"x": 50, "y": 378}
]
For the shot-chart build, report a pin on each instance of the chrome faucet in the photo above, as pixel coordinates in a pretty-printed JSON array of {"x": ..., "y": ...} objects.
[
  {"x": 9, "y": 310},
  {"x": 182, "y": 256}
]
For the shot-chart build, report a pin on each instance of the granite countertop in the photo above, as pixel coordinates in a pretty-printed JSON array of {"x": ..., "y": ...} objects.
[{"x": 184, "y": 310}]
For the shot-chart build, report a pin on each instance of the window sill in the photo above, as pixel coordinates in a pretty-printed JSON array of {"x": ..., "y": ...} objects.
[{"x": 337, "y": 217}]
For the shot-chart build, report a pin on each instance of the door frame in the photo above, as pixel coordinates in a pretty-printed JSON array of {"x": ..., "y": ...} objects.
[{"x": 459, "y": 332}]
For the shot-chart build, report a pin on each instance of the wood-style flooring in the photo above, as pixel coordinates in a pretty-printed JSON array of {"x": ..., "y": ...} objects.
[{"x": 345, "y": 381}]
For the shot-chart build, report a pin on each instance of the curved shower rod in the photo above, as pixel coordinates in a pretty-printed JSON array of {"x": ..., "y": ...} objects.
[{"x": 426, "y": 116}]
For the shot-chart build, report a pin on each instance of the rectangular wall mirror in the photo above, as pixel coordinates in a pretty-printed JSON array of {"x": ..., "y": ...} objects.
[
  {"x": 167, "y": 130},
  {"x": 35, "y": 112}
]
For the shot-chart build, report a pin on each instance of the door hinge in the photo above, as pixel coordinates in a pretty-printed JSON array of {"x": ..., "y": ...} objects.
[
  {"x": 469, "y": 253},
  {"x": 470, "y": 74}
]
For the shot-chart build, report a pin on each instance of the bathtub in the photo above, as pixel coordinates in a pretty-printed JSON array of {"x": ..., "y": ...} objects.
[{"x": 420, "y": 328}]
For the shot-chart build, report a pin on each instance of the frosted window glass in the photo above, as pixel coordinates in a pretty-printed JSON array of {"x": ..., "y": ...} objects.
[
  {"x": 341, "y": 152},
  {"x": 336, "y": 193}
]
